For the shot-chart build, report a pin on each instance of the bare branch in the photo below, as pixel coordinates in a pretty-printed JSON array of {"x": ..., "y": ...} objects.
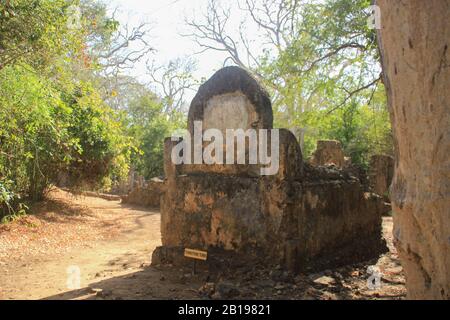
[
  {"x": 127, "y": 47},
  {"x": 173, "y": 80},
  {"x": 354, "y": 92}
]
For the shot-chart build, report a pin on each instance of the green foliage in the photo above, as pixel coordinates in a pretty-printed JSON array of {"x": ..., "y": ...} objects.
[
  {"x": 103, "y": 149},
  {"x": 32, "y": 130},
  {"x": 9, "y": 203},
  {"x": 36, "y": 31},
  {"x": 53, "y": 120},
  {"x": 363, "y": 130},
  {"x": 45, "y": 131},
  {"x": 56, "y": 96},
  {"x": 149, "y": 126},
  {"x": 326, "y": 82}
]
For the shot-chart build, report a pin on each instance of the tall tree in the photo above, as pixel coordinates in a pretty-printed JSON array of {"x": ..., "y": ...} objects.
[
  {"x": 319, "y": 61},
  {"x": 414, "y": 45},
  {"x": 173, "y": 81},
  {"x": 35, "y": 31}
]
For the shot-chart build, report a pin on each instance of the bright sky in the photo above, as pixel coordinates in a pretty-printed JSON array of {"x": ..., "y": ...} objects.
[{"x": 167, "y": 18}]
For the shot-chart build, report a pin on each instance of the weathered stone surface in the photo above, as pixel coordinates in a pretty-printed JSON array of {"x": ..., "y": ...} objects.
[
  {"x": 229, "y": 111},
  {"x": 324, "y": 280},
  {"x": 328, "y": 152},
  {"x": 381, "y": 174},
  {"x": 359, "y": 172},
  {"x": 242, "y": 96},
  {"x": 213, "y": 210},
  {"x": 328, "y": 222},
  {"x": 147, "y": 196},
  {"x": 168, "y": 255},
  {"x": 230, "y": 99},
  {"x": 291, "y": 159},
  {"x": 333, "y": 221},
  {"x": 302, "y": 217},
  {"x": 414, "y": 46}
]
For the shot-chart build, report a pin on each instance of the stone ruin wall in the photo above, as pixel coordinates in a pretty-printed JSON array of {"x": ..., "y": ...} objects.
[
  {"x": 338, "y": 222},
  {"x": 328, "y": 152},
  {"x": 303, "y": 217},
  {"x": 377, "y": 179},
  {"x": 146, "y": 195},
  {"x": 381, "y": 174}
]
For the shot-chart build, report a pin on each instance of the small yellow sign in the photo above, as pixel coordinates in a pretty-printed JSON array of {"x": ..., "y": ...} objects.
[{"x": 195, "y": 254}]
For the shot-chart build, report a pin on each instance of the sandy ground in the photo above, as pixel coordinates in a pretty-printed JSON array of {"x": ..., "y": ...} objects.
[
  {"x": 41, "y": 254},
  {"x": 109, "y": 245}
]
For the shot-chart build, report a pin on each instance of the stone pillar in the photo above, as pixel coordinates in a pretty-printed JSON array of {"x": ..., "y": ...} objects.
[
  {"x": 170, "y": 169},
  {"x": 291, "y": 161},
  {"x": 380, "y": 174},
  {"x": 328, "y": 152}
]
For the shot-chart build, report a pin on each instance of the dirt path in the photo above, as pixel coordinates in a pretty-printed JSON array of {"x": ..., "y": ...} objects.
[
  {"x": 110, "y": 245},
  {"x": 110, "y": 249}
]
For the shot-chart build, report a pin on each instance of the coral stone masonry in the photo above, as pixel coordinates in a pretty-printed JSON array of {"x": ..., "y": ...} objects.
[{"x": 302, "y": 217}]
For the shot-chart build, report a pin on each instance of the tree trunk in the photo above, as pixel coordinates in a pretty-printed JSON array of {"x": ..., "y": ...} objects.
[{"x": 414, "y": 43}]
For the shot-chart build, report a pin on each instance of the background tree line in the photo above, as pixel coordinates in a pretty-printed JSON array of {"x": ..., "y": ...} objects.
[
  {"x": 68, "y": 106},
  {"x": 318, "y": 59}
]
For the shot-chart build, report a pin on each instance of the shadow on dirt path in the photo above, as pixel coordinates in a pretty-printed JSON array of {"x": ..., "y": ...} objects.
[
  {"x": 109, "y": 245},
  {"x": 243, "y": 282},
  {"x": 125, "y": 238}
]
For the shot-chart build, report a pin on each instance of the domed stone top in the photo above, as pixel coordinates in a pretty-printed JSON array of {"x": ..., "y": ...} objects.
[{"x": 231, "y": 99}]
